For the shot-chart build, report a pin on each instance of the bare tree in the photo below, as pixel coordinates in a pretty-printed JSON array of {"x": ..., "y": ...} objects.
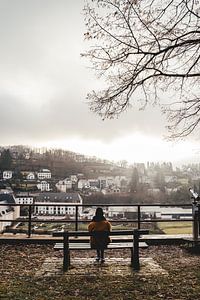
[{"x": 146, "y": 50}]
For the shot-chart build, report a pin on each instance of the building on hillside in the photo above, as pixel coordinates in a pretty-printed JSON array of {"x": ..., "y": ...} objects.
[
  {"x": 170, "y": 178},
  {"x": 59, "y": 204},
  {"x": 24, "y": 198},
  {"x": 111, "y": 190},
  {"x": 107, "y": 181},
  {"x": 102, "y": 182},
  {"x": 44, "y": 174},
  {"x": 74, "y": 178},
  {"x": 82, "y": 184},
  {"x": 30, "y": 176},
  {"x": 43, "y": 186},
  {"x": 27, "y": 155},
  {"x": 7, "y": 212},
  {"x": 64, "y": 185},
  {"x": 93, "y": 183},
  {"x": 7, "y": 174}
]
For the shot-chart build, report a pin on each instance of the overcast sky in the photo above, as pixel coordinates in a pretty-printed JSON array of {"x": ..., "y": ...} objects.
[{"x": 44, "y": 83}]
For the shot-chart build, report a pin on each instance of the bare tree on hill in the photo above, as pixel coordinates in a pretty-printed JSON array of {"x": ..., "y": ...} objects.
[{"x": 146, "y": 50}]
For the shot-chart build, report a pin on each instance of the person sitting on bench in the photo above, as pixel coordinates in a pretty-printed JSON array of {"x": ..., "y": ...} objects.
[{"x": 100, "y": 240}]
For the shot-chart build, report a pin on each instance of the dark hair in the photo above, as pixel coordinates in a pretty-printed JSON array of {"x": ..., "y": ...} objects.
[{"x": 99, "y": 215}]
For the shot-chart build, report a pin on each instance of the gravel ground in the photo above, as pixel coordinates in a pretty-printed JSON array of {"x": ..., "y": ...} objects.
[{"x": 20, "y": 263}]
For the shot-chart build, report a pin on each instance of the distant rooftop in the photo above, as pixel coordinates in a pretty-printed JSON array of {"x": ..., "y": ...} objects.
[
  {"x": 7, "y": 198},
  {"x": 58, "y": 197}
]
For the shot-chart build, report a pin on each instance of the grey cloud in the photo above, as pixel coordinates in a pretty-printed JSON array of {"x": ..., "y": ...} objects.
[{"x": 43, "y": 81}]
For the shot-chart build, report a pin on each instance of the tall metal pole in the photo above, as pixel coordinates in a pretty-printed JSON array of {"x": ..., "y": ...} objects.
[
  {"x": 139, "y": 217},
  {"x": 76, "y": 224},
  {"x": 195, "y": 213},
  {"x": 29, "y": 220}
]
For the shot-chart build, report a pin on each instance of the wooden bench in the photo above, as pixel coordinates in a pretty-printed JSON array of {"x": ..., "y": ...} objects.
[{"x": 79, "y": 240}]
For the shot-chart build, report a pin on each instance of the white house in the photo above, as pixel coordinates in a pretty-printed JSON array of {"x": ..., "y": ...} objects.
[
  {"x": 170, "y": 178},
  {"x": 43, "y": 186},
  {"x": 30, "y": 176},
  {"x": 93, "y": 183},
  {"x": 7, "y": 174},
  {"x": 57, "y": 204},
  {"x": 74, "y": 178},
  {"x": 106, "y": 181},
  {"x": 24, "y": 198},
  {"x": 83, "y": 183},
  {"x": 111, "y": 190},
  {"x": 64, "y": 185},
  {"x": 7, "y": 212},
  {"x": 44, "y": 174}
]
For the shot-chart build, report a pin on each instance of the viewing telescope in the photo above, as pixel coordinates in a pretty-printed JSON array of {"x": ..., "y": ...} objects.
[
  {"x": 194, "y": 194},
  {"x": 196, "y": 214}
]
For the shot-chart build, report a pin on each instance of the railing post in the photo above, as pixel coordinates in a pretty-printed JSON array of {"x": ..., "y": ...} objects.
[
  {"x": 139, "y": 217},
  {"x": 135, "y": 257},
  {"x": 29, "y": 220},
  {"x": 195, "y": 227},
  {"x": 76, "y": 217},
  {"x": 66, "y": 254}
]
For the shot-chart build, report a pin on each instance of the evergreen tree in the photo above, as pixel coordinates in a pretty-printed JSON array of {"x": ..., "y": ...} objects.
[
  {"x": 134, "y": 181},
  {"x": 6, "y": 160}
]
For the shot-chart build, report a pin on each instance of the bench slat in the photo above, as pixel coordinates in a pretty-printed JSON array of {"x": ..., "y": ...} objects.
[
  {"x": 85, "y": 246},
  {"x": 112, "y": 233}
]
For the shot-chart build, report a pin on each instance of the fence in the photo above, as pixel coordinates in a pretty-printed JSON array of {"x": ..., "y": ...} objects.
[{"x": 139, "y": 209}]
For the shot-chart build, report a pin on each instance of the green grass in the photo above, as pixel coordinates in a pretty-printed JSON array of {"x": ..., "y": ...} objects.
[
  {"x": 166, "y": 227},
  {"x": 71, "y": 226},
  {"x": 175, "y": 227}
]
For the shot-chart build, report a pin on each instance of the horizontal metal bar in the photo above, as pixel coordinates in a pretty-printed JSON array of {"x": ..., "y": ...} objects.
[
  {"x": 88, "y": 221},
  {"x": 97, "y": 205}
]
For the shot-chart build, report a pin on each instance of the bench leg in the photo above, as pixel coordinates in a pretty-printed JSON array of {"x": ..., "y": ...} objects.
[
  {"x": 66, "y": 253},
  {"x": 131, "y": 257},
  {"x": 66, "y": 261},
  {"x": 136, "y": 261}
]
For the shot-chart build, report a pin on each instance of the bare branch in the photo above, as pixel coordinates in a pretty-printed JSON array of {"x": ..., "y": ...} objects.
[{"x": 143, "y": 49}]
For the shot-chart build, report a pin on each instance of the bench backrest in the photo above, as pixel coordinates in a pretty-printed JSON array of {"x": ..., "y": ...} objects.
[{"x": 135, "y": 232}]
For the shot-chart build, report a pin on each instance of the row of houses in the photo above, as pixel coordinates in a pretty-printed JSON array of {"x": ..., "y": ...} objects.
[
  {"x": 42, "y": 174},
  {"x": 101, "y": 183},
  {"x": 45, "y": 204},
  {"x": 73, "y": 182},
  {"x": 44, "y": 181},
  {"x": 50, "y": 203}
]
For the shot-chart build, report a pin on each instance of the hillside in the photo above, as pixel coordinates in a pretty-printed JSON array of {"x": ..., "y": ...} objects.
[{"x": 62, "y": 163}]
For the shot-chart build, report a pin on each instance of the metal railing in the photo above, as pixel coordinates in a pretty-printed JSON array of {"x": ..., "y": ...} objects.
[{"x": 31, "y": 218}]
